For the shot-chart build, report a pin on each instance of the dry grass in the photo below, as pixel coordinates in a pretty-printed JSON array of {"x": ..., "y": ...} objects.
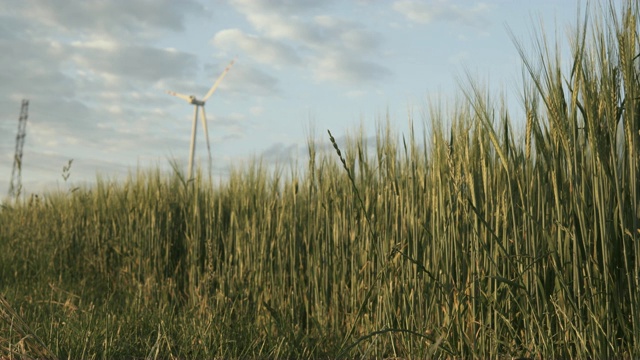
[{"x": 17, "y": 340}]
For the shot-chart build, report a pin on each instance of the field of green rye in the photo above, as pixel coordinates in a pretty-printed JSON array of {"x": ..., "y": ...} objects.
[{"x": 464, "y": 239}]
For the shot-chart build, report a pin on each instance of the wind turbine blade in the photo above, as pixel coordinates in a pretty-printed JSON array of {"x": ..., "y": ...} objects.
[
  {"x": 215, "y": 85},
  {"x": 206, "y": 134},
  {"x": 181, "y": 96}
]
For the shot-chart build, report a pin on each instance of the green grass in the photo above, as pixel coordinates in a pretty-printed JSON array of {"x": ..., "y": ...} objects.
[{"x": 463, "y": 241}]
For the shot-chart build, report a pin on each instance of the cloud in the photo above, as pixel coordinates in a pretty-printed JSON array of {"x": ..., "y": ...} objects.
[
  {"x": 132, "y": 62},
  {"x": 281, "y": 153},
  {"x": 344, "y": 35},
  {"x": 297, "y": 33},
  {"x": 247, "y": 79},
  {"x": 118, "y": 18},
  {"x": 93, "y": 73},
  {"x": 256, "y": 110},
  {"x": 425, "y": 12},
  {"x": 35, "y": 68},
  {"x": 236, "y": 123},
  {"x": 341, "y": 68},
  {"x": 264, "y": 50},
  {"x": 287, "y": 7}
]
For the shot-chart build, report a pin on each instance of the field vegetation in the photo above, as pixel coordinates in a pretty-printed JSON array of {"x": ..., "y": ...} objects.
[{"x": 465, "y": 239}]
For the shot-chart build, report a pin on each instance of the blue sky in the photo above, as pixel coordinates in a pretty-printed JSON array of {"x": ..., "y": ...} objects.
[{"x": 96, "y": 73}]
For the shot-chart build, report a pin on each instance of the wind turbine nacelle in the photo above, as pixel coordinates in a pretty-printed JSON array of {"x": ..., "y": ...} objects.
[
  {"x": 191, "y": 99},
  {"x": 196, "y": 102}
]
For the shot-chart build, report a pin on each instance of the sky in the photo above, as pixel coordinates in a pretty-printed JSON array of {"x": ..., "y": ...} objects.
[{"x": 96, "y": 73}]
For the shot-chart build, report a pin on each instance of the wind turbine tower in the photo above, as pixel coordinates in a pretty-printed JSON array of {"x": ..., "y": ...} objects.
[
  {"x": 16, "y": 174},
  {"x": 199, "y": 104}
]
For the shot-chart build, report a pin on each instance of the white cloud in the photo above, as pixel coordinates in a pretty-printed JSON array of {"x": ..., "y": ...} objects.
[
  {"x": 415, "y": 11},
  {"x": 289, "y": 32},
  {"x": 119, "y": 18},
  {"x": 344, "y": 69},
  {"x": 278, "y": 26},
  {"x": 281, "y": 153},
  {"x": 132, "y": 62},
  {"x": 425, "y": 12},
  {"x": 281, "y": 6},
  {"x": 91, "y": 71},
  {"x": 347, "y": 36},
  {"x": 263, "y": 50},
  {"x": 246, "y": 79},
  {"x": 256, "y": 110}
]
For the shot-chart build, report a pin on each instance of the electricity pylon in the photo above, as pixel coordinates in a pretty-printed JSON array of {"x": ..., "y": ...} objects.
[{"x": 16, "y": 174}]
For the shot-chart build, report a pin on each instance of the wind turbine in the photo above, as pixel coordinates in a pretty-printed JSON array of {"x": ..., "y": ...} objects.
[{"x": 200, "y": 104}]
